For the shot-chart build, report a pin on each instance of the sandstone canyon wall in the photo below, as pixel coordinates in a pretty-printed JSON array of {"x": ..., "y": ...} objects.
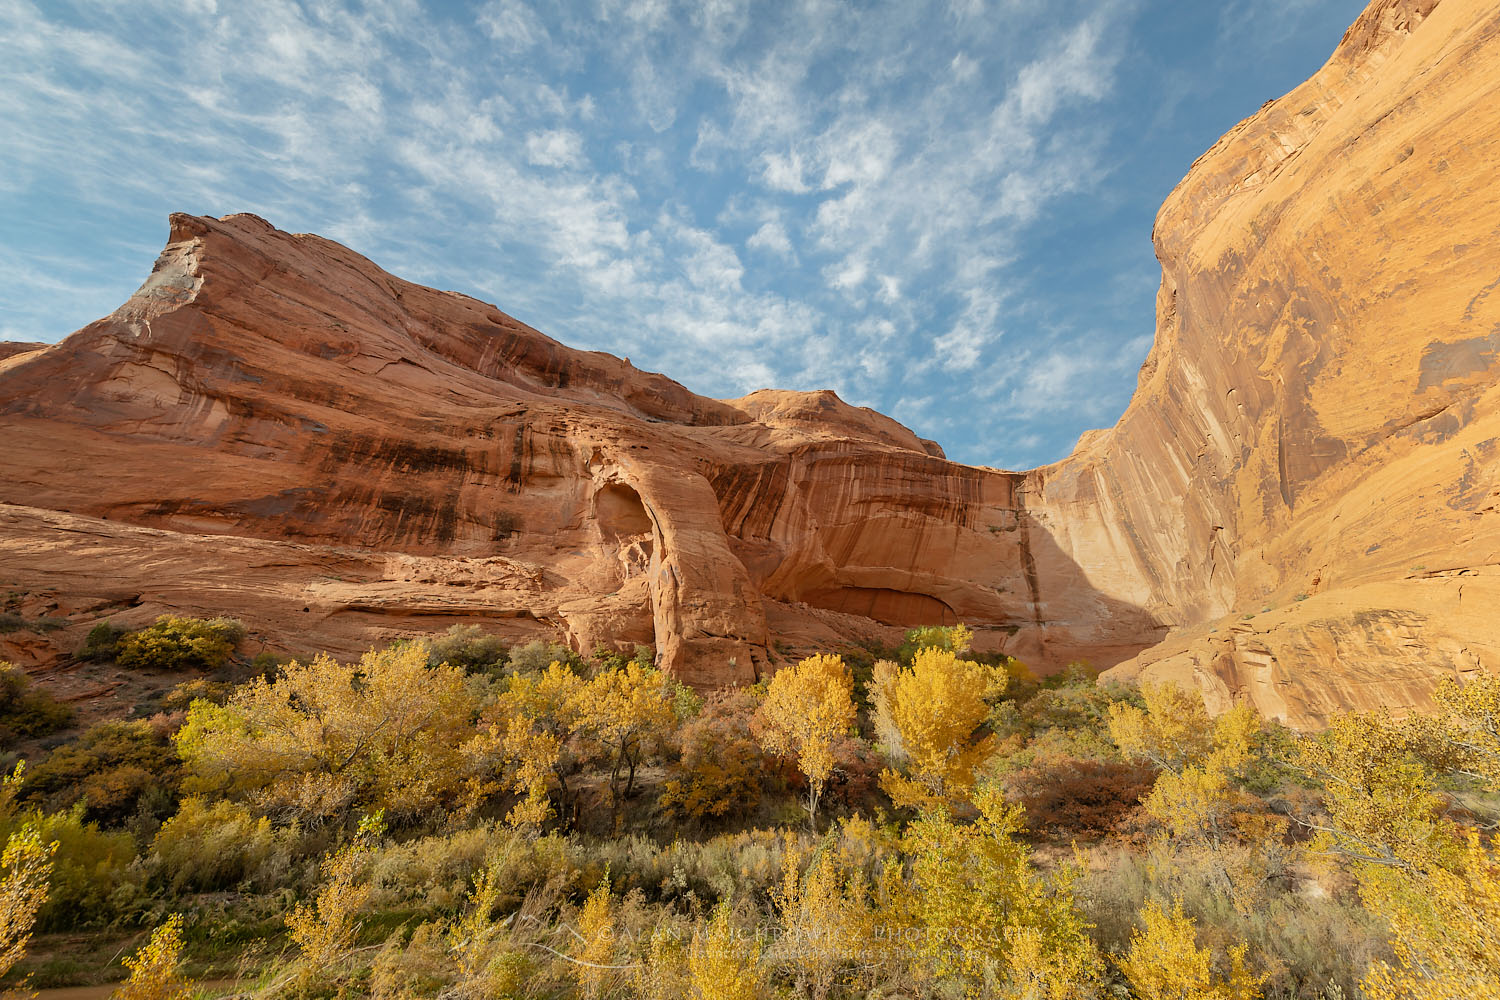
[
  {"x": 275, "y": 428},
  {"x": 338, "y": 456},
  {"x": 1316, "y": 430}
]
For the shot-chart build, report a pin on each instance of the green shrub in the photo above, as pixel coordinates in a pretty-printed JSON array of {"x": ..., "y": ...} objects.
[
  {"x": 220, "y": 845},
  {"x": 606, "y": 658},
  {"x": 103, "y": 643},
  {"x": 91, "y": 883},
  {"x": 468, "y": 647},
  {"x": 11, "y": 621},
  {"x": 110, "y": 770},
  {"x": 26, "y": 710},
  {"x": 181, "y": 644},
  {"x": 538, "y": 654},
  {"x": 938, "y": 636}
]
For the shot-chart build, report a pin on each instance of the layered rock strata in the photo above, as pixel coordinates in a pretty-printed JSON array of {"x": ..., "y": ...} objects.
[{"x": 1299, "y": 506}]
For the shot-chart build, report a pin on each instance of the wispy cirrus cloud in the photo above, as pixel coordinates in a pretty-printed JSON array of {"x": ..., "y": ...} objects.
[{"x": 739, "y": 194}]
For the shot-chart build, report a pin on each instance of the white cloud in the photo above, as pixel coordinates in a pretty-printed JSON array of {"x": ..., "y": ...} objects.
[
  {"x": 512, "y": 24},
  {"x": 772, "y": 238},
  {"x": 784, "y": 172},
  {"x": 555, "y": 148},
  {"x": 848, "y": 275},
  {"x": 886, "y": 168}
]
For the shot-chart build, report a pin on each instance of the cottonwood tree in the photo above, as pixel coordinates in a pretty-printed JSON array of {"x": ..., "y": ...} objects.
[
  {"x": 527, "y": 731},
  {"x": 326, "y": 737},
  {"x": 1208, "y": 817},
  {"x": 622, "y": 715},
  {"x": 807, "y": 707},
  {"x": 1435, "y": 881},
  {"x": 719, "y": 766},
  {"x": 937, "y": 706},
  {"x": 1164, "y": 961}
]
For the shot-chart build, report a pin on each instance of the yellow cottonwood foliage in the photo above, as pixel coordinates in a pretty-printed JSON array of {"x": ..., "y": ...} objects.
[
  {"x": 471, "y": 938},
  {"x": 1473, "y": 713},
  {"x": 1380, "y": 791},
  {"x": 532, "y": 757},
  {"x": 526, "y": 731},
  {"x": 936, "y": 705},
  {"x": 622, "y": 714},
  {"x": 1445, "y": 928},
  {"x": 1165, "y": 963},
  {"x": 25, "y": 870},
  {"x": 1172, "y": 731},
  {"x": 724, "y": 965},
  {"x": 949, "y": 638},
  {"x": 1195, "y": 797},
  {"x": 662, "y": 973},
  {"x": 592, "y": 964},
  {"x": 974, "y": 907},
  {"x": 325, "y": 737},
  {"x": 325, "y": 930},
  {"x": 1436, "y": 884},
  {"x": 807, "y": 706},
  {"x": 156, "y": 969},
  {"x": 826, "y": 917},
  {"x": 887, "y": 734}
]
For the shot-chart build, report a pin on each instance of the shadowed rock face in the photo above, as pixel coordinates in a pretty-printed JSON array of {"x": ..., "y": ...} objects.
[{"x": 274, "y": 427}]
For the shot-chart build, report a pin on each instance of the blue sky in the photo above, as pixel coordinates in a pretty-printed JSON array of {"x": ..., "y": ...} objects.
[{"x": 940, "y": 210}]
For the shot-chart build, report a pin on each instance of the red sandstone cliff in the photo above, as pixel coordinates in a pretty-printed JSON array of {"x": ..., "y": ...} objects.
[
  {"x": 403, "y": 457},
  {"x": 273, "y": 427}
]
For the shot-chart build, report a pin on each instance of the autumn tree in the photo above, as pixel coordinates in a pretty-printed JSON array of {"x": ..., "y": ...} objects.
[
  {"x": 156, "y": 967},
  {"x": 1436, "y": 883},
  {"x": 984, "y": 913},
  {"x": 1165, "y": 963},
  {"x": 622, "y": 715},
  {"x": 1198, "y": 757},
  {"x": 1472, "y": 713},
  {"x": 1172, "y": 731},
  {"x": 325, "y": 737},
  {"x": 806, "y": 708},
  {"x": 1380, "y": 791},
  {"x": 937, "y": 706},
  {"x": 25, "y": 871},
  {"x": 718, "y": 765},
  {"x": 1208, "y": 817},
  {"x": 887, "y": 733},
  {"x": 525, "y": 733}
]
